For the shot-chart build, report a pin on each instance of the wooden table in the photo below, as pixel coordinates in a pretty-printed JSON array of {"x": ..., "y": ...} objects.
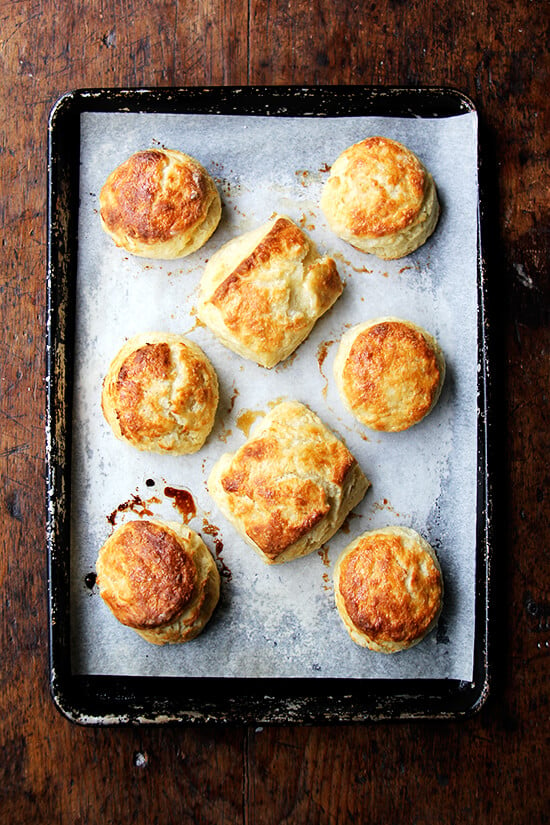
[{"x": 491, "y": 768}]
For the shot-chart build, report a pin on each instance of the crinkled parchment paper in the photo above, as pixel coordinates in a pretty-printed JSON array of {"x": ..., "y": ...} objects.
[{"x": 279, "y": 621}]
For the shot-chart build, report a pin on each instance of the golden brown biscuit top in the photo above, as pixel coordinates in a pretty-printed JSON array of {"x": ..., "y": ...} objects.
[
  {"x": 280, "y": 482},
  {"x": 378, "y": 185},
  {"x": 152, "y": 196},
  {"x": 391, "y": 589},
  {"x": 156, "y": 385},
  {"x": 260, "y": 303},
  {"x": 145, "y": 574},
  {"x": 392, "y": 372}
]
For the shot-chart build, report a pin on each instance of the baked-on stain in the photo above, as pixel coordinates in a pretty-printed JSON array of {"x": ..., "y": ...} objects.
[
  {"x": 227, "y": 187},
  {"x": 276, "y": 401},
  {"x": 323, "y": 555},
  {"x": 183, "y": 502},
  {"x": 135, "y": 504},
  {"x": 322, "y": 352},
  {"x": 197, "y": 321},
  {"x": 246, "y": 419},
  {"x": 213, "y": 531},
  {"x": 339, "y": 257},
  {"x": 233, "y": 398},
  {"x": 90, "y": 580},
  {"x": 345, "y": 528},
  {"x": 287, "y": 363},
  {"x": 304, "y": 222},
  {"x": 385, "y": 505}
]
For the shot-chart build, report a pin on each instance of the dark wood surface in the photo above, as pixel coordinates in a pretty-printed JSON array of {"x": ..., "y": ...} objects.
[{"x": 493, "y": 768}]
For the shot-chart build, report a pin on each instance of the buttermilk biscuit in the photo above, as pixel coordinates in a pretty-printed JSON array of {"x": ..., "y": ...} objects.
[
  {"x": 380, "y": 198},
  {"x": 262, "y": 292},
  {"x": 288, "y": 489},
  {"x": 160, "y": 394},
  {"x": 159, "y": 579},
  {"x": 389, "y": 373},
  {"x": 388, "y": 589},
  {"x": 160, "y": 203}
]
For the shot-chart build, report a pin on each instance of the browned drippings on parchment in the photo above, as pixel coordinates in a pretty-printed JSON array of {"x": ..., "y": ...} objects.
[
  {"x": 213, "y": 531},
  {"x": 246, "y": 419},
  {"x": 135, "y": 503},
  {"x": 183, "y": 502}
]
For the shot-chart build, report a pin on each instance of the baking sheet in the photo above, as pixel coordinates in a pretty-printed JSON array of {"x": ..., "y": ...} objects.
[{"x": 279, "y": 621}]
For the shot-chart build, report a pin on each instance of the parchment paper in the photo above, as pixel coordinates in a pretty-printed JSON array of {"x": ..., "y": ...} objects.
[{"x": 279, "y": 621}]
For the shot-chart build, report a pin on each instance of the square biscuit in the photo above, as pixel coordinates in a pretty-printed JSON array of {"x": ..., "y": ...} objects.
[
  {"x": 288, "y": 489},
  {"x": 262, "y": 292}
]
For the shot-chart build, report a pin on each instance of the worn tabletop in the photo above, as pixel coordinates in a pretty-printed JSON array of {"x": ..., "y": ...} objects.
[{"x": 490, "y": 768}]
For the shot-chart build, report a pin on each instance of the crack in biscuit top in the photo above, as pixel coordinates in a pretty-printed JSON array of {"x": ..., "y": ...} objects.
[
  {"x": 141, "y": 386},
  {"x": 163, "y": 392}
]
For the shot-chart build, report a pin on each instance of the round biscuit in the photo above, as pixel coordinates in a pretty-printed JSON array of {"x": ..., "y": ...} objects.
[
  {"x": 160, "y": 394},
  {"x": 159, "y": 579},
  {"x": 388, "y": 589},
  {"x": 389, "y": 373},
  {"x": 380, "y": 198},
  {"x": 160, "y": 203}
]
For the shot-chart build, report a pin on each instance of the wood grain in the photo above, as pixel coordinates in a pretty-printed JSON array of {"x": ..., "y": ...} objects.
[{"x": 491, "y": 768}]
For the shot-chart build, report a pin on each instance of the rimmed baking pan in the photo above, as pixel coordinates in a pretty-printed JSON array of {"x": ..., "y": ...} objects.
[{"x": 268, "y": 149}]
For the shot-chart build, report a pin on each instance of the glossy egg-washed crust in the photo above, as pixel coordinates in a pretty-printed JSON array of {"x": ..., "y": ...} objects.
[
  {"x": 262, "y": 292},
  {"x": 380, "y": 198},
  {"x": 160, "y": 203},
  {"x": 288, "y": 489},
  {"x": 160, "y": 394},
  {"x": 388, "y": 589},
  {"x": 159, "y": 579},
  {"x": 389, "y": 373}
]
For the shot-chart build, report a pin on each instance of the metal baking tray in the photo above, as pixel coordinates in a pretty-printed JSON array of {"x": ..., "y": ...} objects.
[{"x": 116, "y": 699}]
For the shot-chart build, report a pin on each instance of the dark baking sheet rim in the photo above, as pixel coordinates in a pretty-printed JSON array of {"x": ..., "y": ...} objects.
[{"x": 116, "y": 699}]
